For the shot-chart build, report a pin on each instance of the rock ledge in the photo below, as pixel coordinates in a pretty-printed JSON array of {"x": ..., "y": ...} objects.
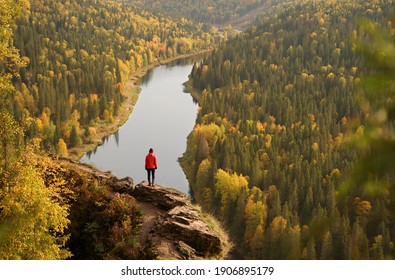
[
  {"x": 172, "y": 225},
  {"x": 180, "y": 226}
]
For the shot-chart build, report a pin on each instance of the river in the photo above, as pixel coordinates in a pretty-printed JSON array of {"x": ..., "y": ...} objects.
[{"x": 162, "y": 118}]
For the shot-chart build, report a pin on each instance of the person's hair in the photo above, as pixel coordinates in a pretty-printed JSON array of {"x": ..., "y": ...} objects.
[{"x": 151, "y": 150}]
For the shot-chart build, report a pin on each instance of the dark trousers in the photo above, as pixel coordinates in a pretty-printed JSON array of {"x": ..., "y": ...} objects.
[{"x": 149, "y": 173}]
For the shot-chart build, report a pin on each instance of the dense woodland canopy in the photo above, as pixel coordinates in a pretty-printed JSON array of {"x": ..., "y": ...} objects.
[
  {"x": 79, "y": 55},
  {"x": 269, "y": 152},
  {"x": 63, "y": 69},
  {"x": 204, "y": 11},
  {"x": 33, "y": 217}
]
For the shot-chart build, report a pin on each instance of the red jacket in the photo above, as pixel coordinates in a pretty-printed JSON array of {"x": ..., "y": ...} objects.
[{"x": 150, "y": 161}]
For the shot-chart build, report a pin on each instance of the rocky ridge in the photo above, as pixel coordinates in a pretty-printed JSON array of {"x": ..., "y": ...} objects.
[{"x": 171, "y": 225}]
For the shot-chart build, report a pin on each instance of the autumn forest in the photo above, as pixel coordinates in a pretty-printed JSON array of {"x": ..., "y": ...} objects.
[{"x": 293, "y": 146}]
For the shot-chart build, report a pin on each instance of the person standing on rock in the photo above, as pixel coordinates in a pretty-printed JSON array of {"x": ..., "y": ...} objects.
[{"x": 150, "y": 166}]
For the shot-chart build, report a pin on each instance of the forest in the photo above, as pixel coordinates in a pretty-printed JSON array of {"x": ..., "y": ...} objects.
[
  {"x": 293, "y": 145},
  {"x": 208, "y": 12},
  {"x": 270, "y": 152},
  {"x": 79, "y": 56},
  {"x": 64, "y": 66}
]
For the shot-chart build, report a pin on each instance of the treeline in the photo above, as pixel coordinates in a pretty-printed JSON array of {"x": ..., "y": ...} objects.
[
  {"x": 208, "y": 12},
  {"x": 268, "y": 152},
  {"x": 33, "y": 217},
  {"x": 52, "y": 210},
  {"x": 79, "y": 54}
]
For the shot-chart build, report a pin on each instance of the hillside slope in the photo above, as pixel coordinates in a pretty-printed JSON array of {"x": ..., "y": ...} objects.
[
  {"x": 268, "y": 152},
  {"x": 201, "y": 11},
  {"x": 79, "y": 56},
  {"x": 112, "y": 218}
]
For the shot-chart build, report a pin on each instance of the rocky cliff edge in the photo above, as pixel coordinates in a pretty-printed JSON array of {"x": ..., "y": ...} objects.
[{"x": 171, "y": 226}]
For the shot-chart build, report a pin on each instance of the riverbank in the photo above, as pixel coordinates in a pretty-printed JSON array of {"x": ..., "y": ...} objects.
[
  {"x": 104, "y": 129},
  {"x": 131, "y": 94}
]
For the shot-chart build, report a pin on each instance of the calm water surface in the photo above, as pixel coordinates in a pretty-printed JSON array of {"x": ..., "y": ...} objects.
[{"x": 163, "y": 117}]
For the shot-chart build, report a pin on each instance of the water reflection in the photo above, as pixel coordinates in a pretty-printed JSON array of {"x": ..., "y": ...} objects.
[
  {"x": 116, "y": 136},
  {"x": 104, "y": 140},
  {"x": 162, "y": 119},
  {"x": 147, "y": 78}
]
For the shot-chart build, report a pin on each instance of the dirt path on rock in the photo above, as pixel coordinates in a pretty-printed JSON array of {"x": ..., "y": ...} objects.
[{"x": 151, "y": 214}]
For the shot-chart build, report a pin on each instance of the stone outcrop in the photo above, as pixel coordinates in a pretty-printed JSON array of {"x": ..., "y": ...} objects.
[
  {"x": 163, "y": 198},
  {"x": 185, "y": 224},
  {"x": 171, "y": 224},
  {"x": 180, "y": 226}
]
